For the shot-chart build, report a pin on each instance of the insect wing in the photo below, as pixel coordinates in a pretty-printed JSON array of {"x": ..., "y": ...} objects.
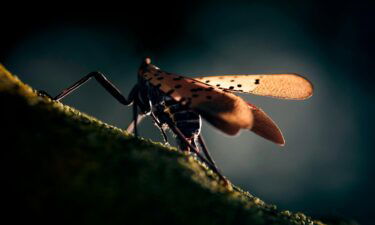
[
  {"x": 228, "y": 112},
  {"x": 265, "y": 127},
  {"x": 284, "y": 86}
]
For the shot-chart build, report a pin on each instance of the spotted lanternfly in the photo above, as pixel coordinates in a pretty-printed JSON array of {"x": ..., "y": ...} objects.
[{"x": 178, "y": 103}]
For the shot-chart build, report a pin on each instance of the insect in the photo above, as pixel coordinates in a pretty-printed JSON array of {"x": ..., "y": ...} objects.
[{"x": 178, "y": 103}]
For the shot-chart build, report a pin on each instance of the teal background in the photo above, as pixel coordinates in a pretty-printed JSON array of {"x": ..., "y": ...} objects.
[{"x": 326, "y": 167}]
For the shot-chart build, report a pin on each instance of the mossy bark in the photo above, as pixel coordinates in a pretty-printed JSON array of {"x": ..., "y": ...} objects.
[{"x": 64, "y": 167}]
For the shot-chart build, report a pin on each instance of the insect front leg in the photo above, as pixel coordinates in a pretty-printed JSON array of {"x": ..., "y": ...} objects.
[
  {"x": 135, "y": 118},
  {"x": 134, "y": 123},
  {"x": 104, "y": 82}
]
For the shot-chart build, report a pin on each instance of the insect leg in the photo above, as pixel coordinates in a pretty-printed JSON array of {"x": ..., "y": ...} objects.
[
  {"x": 205, "y": 150},
  {"x": 135, "y": 118},
  {"x": 194, "y": 143},
  {"x": 160, "y": 126},
  {"x": 183, "y": 138},
  {"x": 112, "y": 89},
  {"x": 130, "y": 128}
]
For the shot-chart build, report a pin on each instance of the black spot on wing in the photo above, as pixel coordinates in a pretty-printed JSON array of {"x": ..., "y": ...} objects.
[
  {"x": 239, "y": 85},
  {"x": 256, "y": 81}
]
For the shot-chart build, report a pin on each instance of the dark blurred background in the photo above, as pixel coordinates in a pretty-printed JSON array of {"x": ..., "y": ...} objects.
[{"x": 326, "y": 167}]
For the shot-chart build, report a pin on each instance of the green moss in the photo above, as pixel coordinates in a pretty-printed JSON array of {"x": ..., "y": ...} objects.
[{"x": 63, "y": 166}]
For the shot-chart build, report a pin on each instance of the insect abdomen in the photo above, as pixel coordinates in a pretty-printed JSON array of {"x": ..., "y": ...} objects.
[{"x": 185, "y": 119}]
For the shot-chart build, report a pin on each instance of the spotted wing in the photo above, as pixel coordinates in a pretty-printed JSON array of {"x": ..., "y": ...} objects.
[
  {"x": 228, "y": 112},
  {"x": 265, "y": 127},
  {"x": 285, "y": 86}
]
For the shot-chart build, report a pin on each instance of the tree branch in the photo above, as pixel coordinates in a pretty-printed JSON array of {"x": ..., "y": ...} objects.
[{"x": 63, "y": 166}]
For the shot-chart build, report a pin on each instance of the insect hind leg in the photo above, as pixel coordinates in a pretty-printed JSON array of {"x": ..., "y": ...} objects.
[
  {"x": 202, "y": 143},
  {"x": 181, "y": 136}
]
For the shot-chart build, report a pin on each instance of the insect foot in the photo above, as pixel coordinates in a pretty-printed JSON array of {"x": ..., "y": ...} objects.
[{"x": 43, "y": 93}]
